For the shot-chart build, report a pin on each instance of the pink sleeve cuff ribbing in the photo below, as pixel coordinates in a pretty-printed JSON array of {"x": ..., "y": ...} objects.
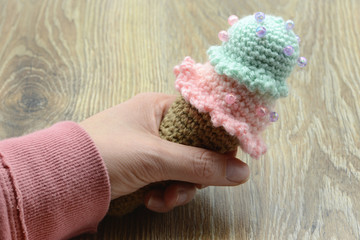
[{"x": 59, "y": 181}]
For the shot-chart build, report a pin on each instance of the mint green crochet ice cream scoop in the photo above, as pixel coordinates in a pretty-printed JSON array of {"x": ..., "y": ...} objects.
[{"x": 259, "y": 52}]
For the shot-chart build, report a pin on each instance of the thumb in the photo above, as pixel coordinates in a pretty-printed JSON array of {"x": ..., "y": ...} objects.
[{"x": 201, "y": 166}]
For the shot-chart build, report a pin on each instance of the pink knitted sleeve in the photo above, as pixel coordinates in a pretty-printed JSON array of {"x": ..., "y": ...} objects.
[{"x": 53, "y": 184}]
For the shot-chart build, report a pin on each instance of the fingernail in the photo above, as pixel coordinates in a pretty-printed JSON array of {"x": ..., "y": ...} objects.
[
  {"x": 200, "y": 186},
  {"x": 181, "y": 199},
  {"x": 237, "y": 171},
  {"x": 155, "y": 203}
]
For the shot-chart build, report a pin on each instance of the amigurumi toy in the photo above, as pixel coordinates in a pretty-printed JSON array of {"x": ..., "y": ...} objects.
[{"x": 228, "y": 101}]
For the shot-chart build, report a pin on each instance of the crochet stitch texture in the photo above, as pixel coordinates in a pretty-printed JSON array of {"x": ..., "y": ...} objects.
[
  {"x": 226, "y": 102},
  {"x": 258, "y": 63},
  {"x": 182, "y": 124},
  {"x": 205, "y": 91}
]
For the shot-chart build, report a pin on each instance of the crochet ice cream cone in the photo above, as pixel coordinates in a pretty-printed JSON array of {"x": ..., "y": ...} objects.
[
  {"x": 228, "y": 101},
  {"x": 184, "y": 124}
]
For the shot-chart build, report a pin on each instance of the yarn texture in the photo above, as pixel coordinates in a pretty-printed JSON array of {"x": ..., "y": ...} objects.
[
  {"x": 258, "y": 63},
  {"x": 182, "y": 124},
  {"x": 205, "y": 90},
  {"x": 229, "y": 100}
]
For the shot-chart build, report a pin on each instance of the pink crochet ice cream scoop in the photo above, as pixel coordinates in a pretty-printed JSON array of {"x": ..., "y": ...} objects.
[{"x": 240, "y": 112}]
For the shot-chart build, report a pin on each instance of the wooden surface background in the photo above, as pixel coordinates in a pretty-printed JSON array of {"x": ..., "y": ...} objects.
[{"x": 66, "y": 60}]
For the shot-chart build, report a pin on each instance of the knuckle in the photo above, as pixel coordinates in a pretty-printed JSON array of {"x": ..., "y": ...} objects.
[
  {"x": 145, "y": 96},
  {"x": 205, "y": 164}
]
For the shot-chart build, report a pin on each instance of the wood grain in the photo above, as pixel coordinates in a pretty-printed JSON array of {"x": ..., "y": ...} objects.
[{"x": 66, "y": 60}]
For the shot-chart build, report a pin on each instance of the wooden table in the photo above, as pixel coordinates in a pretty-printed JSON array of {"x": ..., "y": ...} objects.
[{"x": 67, "y": 60}]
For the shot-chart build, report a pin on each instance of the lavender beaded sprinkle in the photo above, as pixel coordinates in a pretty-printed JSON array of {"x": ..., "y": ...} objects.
[
  {"x": 259, "y": 16},
  {"x": 261, "y": 32},
  {"x": 289, "y": 25},
  {"x": 274, "y": 116},
  {"x": 288, "y": 50},
  {"x": 302, "y": 61}
]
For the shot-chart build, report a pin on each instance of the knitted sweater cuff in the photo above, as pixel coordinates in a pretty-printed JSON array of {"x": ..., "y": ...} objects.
[{"x": 59, "y": 180}]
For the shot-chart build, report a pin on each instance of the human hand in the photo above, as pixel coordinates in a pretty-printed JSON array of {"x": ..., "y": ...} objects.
[{"x": 127, "y": 137}]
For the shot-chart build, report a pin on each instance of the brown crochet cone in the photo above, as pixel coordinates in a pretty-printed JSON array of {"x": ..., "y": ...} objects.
[{"x": 185, "y": 125}]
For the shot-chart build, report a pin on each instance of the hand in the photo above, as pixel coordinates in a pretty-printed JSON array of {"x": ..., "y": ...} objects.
[{"x": 127, "y": 137}]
